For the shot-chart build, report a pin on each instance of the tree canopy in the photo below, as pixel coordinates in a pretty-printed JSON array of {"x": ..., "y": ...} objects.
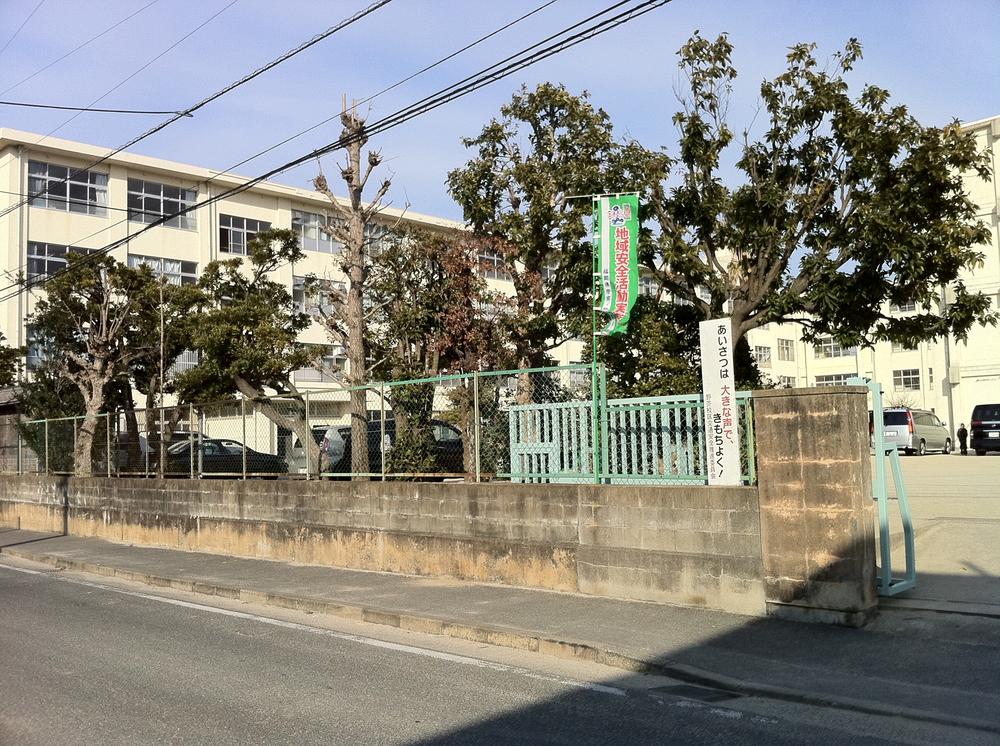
[{"x": 845, "y": 205}]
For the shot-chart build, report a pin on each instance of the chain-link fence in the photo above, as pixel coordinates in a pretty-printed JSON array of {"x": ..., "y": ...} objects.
[{"x": 544, "y": 425}]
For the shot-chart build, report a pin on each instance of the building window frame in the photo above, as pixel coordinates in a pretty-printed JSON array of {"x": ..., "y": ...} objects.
[
  {"x": 45, "y": 259},
  {"x": 174, "y": 271},
  {"x": 308, "y": 226},
  {"x": 833, "y": 379},
  {"x": 828, "y": 347},
  {"x": 762, "y": 356},
  {"x": 786, "y": 350},
  {"x": 149, "y": 201},
  {"x": 68, "y": 189},
  {"x": 236, "y": 233},
  {"x": 906, "y": 379}
]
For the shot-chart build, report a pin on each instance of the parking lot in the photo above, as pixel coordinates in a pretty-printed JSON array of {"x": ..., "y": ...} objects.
[{"x": 955, "y": 502}]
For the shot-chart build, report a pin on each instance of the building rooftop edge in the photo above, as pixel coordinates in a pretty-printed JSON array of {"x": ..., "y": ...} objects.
[{"x": 32, "y": 141}]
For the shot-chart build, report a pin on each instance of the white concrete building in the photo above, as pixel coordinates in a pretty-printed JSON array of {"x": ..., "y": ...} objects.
[{"x": 116, "y": 198}]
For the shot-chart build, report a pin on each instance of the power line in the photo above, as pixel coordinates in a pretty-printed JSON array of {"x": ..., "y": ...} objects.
[
  {"x": 372, "y": 97},
  {"x": 395, "y": 85},
  {"x": 23, "y": 24},
  {"x": 143, "y": 67},
  {"x": 208, "y": 99},
  {"x": 78, "y": 47},
  {"x": 472, "y": 83},
  {"x": 90, "y": 109}
]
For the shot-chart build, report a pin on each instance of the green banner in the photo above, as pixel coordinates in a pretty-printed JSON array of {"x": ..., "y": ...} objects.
[{"x": 616, "y": 264}]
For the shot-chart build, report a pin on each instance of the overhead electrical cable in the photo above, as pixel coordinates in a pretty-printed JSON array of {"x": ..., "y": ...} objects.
[
  {"x": 78, "y": 47},
  {"x": 395, "y": 85},
  {"x": 89, "y": 109},
  {"x": 221, "y": 92},
  {"x": 23, "y": 24},
  {"x": 141, "y": 68},
  {"x": 469, "y": 84}
]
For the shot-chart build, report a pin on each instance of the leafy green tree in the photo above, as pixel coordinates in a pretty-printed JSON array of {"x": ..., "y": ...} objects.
[
  {"x": 521, "y": 190},
  {"x": 247, "y": 334},
  {"x": 845, "y": 204},
  {"x": 432, "y": 313},
  {"x": 93, "y": 324}
]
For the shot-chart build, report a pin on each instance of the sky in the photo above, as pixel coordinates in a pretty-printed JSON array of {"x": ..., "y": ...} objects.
[{"x": 937, "y": 58}]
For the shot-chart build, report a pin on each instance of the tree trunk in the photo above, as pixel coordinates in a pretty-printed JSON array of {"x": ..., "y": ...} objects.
[
  {"x": 297, "y": 425},
  {"x": 83, "y": 464}
]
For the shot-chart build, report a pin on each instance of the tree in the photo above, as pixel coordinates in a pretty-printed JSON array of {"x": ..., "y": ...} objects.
[
  {"x": 93, "y": 324},
  {"x": 247, "y": 334},
  {"x": 846, "y": 206},
  {"x": 522, "y": 190},
  {"x": 433, "y": 313},
  {"x": 353, "y": 225}
]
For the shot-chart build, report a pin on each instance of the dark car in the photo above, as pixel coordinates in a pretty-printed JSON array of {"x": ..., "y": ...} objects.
[
  {"x": 984, "y": 429},
  {"x": 336, "y": 448},
  {"x": 221, "y": 458}
]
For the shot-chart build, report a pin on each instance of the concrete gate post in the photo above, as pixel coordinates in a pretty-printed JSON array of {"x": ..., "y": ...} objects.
[{"x": 816, "y": 509}]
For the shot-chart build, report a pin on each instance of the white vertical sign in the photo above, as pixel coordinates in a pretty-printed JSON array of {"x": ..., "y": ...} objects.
[{"x": 718, "y": 383}]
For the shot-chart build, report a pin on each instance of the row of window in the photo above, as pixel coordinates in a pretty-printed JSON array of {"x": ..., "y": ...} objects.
[{"x": 907, "y": 379}]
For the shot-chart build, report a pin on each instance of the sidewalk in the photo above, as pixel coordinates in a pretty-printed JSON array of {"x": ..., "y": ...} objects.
[{"x": 932, "y": 667}]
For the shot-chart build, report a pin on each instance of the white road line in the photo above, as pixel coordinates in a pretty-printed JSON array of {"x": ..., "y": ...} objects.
[{"x": 373, "y": 642}]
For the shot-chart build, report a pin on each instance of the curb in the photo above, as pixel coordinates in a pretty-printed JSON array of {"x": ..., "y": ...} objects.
[{"x": 509, "y": 638}]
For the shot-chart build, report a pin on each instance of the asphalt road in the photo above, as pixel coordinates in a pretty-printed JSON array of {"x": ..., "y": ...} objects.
[{"x": 86, "y": 662}]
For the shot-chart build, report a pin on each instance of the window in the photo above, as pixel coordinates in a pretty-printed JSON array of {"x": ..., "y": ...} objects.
[
  {"x": 763, "y": 356},
  {"x": 904, "y": 307},
  {"x": 184, "y": 362},
  {"x": 492, "y": 265},
  {"x": 333, "y": 361},
  {"x": 68, "y": 189},
  {"x": 900, "y": 347},
  {"x": 834, "y": 379},
  {"x": 175, "y": 271},
  {"x": 786, "y": 349},
  {"x": 375, "y": 237},
  {"x": 444, "y": 432},
  {"x": 35, "y": 352},
  {"x": 829, "y": 347},
  {"x": 306, "y": 302},
  {"x": 235, "y": 233},
  {"x": 786, "y": 382},
  {"x": 906, "y": 380},
  {"x": 704, "y": 293},
  {"x": 930, "y": 376},
  {"x": 312, "y": 237},
  {"x": 149, "y": 201},
  {"x": 648, "y": 286},
  {"x": 45, "y": 259}
]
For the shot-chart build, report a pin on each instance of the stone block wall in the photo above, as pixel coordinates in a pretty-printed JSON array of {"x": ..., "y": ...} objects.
[
  {"x": 695, "y": 546},
  {"x": 816, "y": 509}
]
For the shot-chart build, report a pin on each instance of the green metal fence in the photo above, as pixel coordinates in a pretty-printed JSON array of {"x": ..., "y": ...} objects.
[{"x": 541, "y": 425}]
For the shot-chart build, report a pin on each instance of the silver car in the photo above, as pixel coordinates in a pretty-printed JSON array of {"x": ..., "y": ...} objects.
[{"x": 915, "y": 431}]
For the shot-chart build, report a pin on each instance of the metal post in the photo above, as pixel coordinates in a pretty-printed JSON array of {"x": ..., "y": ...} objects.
[
  {"x": 201, "y": 443},
  {"x": 74, "y": 445},
  {"x": 107, "y": 433},
  {"x": 602, "y": 403},
  {"x": 476, "y": 432},
  {"x": 381, "y": 446},
  {"x": 308, "y": 444},
  {"x": 191, "y": 437},
  {"x": 20, "y": 463},
  {"x": 46, "y": 446},
  {"x": 243, "y": 412}
]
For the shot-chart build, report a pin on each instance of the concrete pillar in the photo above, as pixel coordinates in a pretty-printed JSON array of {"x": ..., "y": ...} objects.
[{"x": 816, "y": 509}]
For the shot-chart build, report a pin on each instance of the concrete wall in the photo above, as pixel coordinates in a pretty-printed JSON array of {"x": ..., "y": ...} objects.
[
  {"x": 696, "y": 546},
  {"x": 799, "y": 544},
  {"x": 816, "y": 509}
]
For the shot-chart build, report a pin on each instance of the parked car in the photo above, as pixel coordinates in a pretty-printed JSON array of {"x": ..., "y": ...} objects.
[
  {"x": 915, "y": 431},
  {"x": 335, "y": 447},
  {"x": 984, "y": 428},
  {"x": 222, "y": 458}
]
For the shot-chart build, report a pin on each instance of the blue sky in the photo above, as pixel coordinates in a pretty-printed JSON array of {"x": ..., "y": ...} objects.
[{"x": 938, "y": 58}]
